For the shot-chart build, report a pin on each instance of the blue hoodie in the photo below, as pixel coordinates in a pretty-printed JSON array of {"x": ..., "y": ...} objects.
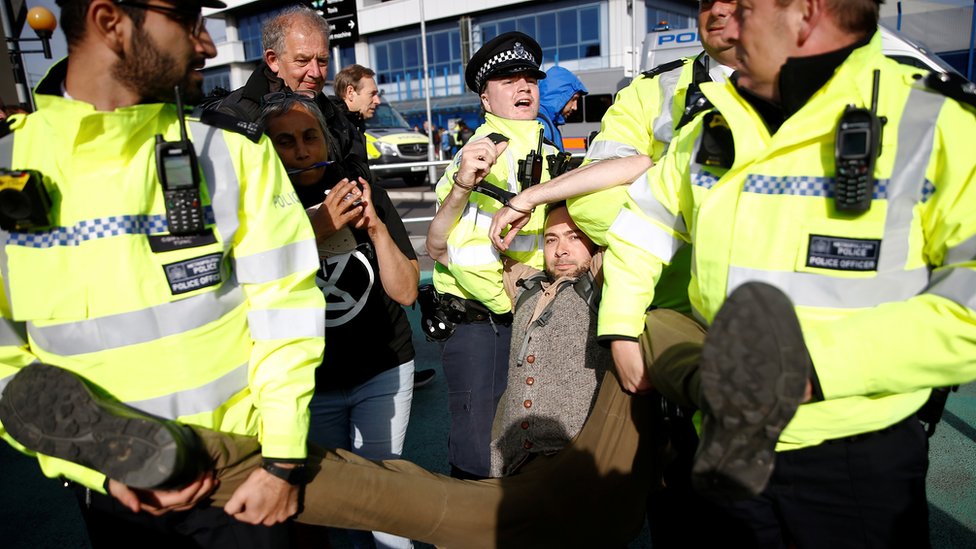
[{"x": 555, "y": 91}]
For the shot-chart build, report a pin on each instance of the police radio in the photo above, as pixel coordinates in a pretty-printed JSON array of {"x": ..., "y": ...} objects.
[
  {"x": 530, "y": 169},
  {"x": 856, "y": 149},
  {"x": 176, "y": 166}
]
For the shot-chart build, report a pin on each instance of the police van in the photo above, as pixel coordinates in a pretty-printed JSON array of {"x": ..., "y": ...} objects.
[
  {"x": 662, "y": 47},
  {"x": 390, "y": 140}
]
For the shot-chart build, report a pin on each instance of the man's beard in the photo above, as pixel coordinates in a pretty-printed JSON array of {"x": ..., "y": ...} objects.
[
  {"x": 578, "y": 272},
  {"x": 153, "y": 73}
]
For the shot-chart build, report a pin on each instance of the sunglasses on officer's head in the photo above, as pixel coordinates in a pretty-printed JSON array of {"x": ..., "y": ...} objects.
[{"x": 279, "y": 96}]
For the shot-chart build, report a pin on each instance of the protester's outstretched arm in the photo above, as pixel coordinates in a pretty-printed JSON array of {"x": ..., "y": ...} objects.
[
  {"x": 476, "y": 160},
  {"x": 587, "y": 179}
]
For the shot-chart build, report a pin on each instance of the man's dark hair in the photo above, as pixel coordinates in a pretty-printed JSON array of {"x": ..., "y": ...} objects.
[
  {"x": 350, "y": 76},
  {"x": 554, "y": 206},
  {"x": 73, "y": 19}
]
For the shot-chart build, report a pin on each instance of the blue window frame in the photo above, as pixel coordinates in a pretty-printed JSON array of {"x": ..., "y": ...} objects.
[
  {"x": 674, "y": 14},
  {"x": 399, "y": 59},
  {"x": 564, "y": 34}
]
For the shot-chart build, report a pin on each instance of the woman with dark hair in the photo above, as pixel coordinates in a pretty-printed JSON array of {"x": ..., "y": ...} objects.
[{"x": 369, "y": 270}]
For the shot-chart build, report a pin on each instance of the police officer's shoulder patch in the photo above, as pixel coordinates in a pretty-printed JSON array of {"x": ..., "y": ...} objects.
[
  {"x": 665, "y": 67},
  {"x": 250, "y": 130},
  {"x": 950, "y": 85}
]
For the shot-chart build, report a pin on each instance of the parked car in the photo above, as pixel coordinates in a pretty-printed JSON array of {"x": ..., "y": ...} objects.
[{"x": 390, "y": 140}]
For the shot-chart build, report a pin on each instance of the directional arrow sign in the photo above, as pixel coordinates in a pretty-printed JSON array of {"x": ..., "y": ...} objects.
[{"x": 342, "y": 18}]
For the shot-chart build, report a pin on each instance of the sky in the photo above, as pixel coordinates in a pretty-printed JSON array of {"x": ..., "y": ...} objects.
[{"x": 36, "y": 64}]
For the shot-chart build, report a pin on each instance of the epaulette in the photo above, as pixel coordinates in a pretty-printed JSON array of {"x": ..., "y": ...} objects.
[
  {"x": 663, "y": 68},
  {"x": 250, "y": 130},
  {"x": 952, "y": 86}
]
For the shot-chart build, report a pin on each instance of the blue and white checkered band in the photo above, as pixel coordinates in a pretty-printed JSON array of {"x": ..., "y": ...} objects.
[{"x": 517, "y": 52}]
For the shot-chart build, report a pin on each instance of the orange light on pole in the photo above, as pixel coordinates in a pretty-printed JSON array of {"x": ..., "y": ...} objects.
[{"x": 43, "y": 22}]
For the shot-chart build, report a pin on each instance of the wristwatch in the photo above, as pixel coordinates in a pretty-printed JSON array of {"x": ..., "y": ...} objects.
[{"x": 294, "y": 476}]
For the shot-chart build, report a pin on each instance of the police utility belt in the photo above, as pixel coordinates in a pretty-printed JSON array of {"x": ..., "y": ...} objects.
[{"x": 441, "y": 313}]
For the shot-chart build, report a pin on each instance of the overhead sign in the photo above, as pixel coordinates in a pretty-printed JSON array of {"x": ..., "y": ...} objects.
[{"x": 342, "y": 18}]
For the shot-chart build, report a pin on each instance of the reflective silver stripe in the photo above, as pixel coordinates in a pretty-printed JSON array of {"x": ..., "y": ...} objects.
[
  {"x": 223, "y": 186},
  {"x": 472, "y": 256},
  {"x": 286, "y": 323},
  {"x": 606, "y": 149},
  {"x": 7, "y": 151},
  {"x": 962, "y": 252},
  {"x": 640, "y": 191},
  {"x": 817, "y": 290},
  {"x": 132, "y": 328},
  {"x": 277, "y": 263},
  {"x": 663, "y": 126},
  {"x": 646, "y": 235},
  {"x": 12, "y": 333},
  {"x": 526, "y": 243},
  {"x": 955, "y": 284},
  {"x": 916, "y": 138},
  {"x": 197, "y": 400},
  {"x": 474, "y": 215}
]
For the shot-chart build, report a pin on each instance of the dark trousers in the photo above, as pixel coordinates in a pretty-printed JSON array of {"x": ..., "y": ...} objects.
[
  {"x": 475, "y": 361},
  {"x": 866, "y": 491},
  {"x": 109, "y": 524}
]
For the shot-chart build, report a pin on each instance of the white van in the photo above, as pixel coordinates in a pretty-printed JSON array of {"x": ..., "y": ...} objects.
[{"x": 665, "y": 46}]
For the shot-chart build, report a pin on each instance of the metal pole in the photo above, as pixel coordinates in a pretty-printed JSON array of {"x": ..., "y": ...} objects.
[
  {"x": 972, "y": 44},
  {"x": 898, "y": 25},
  {"x": 16, "y": 58},
  {"x": 338, "y": 62},
  {"x": 431, "y": 171}
]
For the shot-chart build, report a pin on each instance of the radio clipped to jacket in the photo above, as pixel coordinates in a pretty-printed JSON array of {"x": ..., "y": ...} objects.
[
  {"x": 179, "y": 174},
  {"x": 530, "y": 169},
  {"x": 856, "y": 150},
  {"x": 24, "y": 202}
]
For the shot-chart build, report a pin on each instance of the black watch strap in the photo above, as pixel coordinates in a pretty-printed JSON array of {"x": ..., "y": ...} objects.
[{"x": 294, "y": 476}]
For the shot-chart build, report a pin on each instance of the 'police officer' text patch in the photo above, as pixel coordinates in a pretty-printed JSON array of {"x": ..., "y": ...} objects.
[
  {"x": 843, "y": 254},
  {"x": 193, "y": 274}
]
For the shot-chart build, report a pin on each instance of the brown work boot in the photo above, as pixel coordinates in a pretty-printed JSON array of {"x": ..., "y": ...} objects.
[
  {"x": 57, "y": 413},
  {"x": 754, "y": 373}
]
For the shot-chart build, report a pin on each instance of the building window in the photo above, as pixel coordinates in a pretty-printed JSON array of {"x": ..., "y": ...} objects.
[
  {"x": 565, "y": 34},
  {"x": 217, "y": 78},
  {"x": 664, "y": 15},
  {"x": 399, "y": 59},
  {"x": 347, "y": 56}
]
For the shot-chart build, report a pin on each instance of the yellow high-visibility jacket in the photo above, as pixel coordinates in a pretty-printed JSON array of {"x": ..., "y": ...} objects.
[
  {"x": 223, "y": 331},
  {"x": 886, "y": 299},
  {"x": 474, "y": 269},
  {"x": 642, "y": 120}
]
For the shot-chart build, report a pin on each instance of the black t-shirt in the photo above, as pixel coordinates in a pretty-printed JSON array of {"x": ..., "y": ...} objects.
[{"x": 366, "y": 332}]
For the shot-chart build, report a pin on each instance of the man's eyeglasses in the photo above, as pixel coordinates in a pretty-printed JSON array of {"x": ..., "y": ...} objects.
[{"x": 192, "y": 19}]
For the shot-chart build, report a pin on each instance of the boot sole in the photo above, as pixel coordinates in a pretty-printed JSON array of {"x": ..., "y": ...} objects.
[
  {"x": 754, "y": 372},
  {"x": 52, "y": 412}
]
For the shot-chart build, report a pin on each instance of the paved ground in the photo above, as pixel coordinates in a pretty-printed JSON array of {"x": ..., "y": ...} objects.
[{"x": 36, "y": 513}]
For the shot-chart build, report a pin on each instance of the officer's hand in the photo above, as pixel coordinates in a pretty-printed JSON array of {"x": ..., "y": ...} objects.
[
  {"x": 160, "y": 502},
  {"x": 336, "y": 210},
  {"x": 513, "y": 215},
  {"x": 263, "y": 499},
  {"x": 477, "y": 158},
  {"x": 630, "y": 366}
]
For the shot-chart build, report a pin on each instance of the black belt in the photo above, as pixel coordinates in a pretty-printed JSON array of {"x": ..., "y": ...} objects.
[
  {"x": 860, "y": 437},
  {"x": 462, "y": 310}
]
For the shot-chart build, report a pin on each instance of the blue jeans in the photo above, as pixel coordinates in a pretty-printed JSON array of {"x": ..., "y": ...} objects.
[
  {"x": 371, "y": 421},
  {"x": 475, "y": 361}
]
